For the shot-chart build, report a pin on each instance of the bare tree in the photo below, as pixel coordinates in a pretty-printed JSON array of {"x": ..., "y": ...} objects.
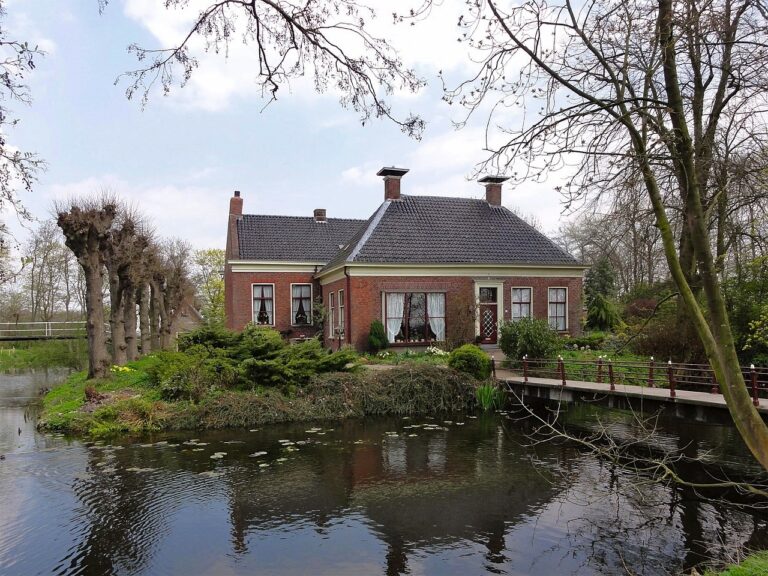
[
  {"x": 18, "y": 169},
  {"x": 641, "y": 90},
  {"x": 86, "y": 224},
  {"x": 327, "y": 40}
]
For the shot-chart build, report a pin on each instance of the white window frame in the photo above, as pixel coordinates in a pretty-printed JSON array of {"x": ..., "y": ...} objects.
[
  {"x": 512, "y": 301},
  {"x": 567, "y": 300},
  {"x": 331, "y": 309},
  {"x": 274, "y": 303},
  {"x": 342, "y": 303},
  {"x": 311, "y": 303}
]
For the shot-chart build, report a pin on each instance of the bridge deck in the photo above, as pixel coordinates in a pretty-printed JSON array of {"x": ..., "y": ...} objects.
[{"x": 659, "y": 394}]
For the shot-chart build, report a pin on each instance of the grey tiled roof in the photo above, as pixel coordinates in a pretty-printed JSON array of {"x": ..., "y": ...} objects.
[
  {"x": 436, "y": 230},
  {"x": 293, "y": 238}
]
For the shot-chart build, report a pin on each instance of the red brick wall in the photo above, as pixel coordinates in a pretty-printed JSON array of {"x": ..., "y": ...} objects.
[
  {"x": 239, "y": 298},
  {"x": 363, "y": 300},
  {"x": 364, "y": 303}
]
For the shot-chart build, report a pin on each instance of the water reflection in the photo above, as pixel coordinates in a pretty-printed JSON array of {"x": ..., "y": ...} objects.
[{"x": 380, "y": 496}]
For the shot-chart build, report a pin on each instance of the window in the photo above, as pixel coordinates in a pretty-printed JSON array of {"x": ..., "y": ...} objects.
[
  {"x": 341, "y": 311},
  {"x": 412, "y": 317},
  {"x": 263, "y": 304},
  {"x": 558, "y": 304},
  {"x": 301, "y": 304},
  {"x": 331, "y": 312},
  {"x": 521, "y": 303}
]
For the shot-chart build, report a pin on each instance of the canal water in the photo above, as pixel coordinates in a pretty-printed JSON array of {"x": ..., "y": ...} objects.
[{"x": 461, "y": 494}]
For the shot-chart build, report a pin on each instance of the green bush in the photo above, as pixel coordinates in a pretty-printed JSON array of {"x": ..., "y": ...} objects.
[
  {"x": 528, "y": 337},
  {"x": 209, "y": 337},
  {"x": 295, "y": 365},
  {"x": 377, "y": 338},
  {"x": 471, "y": 360},
  {"x": 593, "y": 341}
]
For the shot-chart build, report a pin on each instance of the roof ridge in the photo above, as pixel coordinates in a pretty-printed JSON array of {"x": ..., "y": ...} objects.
[
  {"x": 300, "y": 217},
  {"x": 371, "y": 227}
]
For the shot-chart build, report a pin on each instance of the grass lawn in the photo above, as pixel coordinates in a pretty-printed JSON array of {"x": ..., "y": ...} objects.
[
  {"x": 396, "y": 357},
  {"x": 753, "y": 565}
]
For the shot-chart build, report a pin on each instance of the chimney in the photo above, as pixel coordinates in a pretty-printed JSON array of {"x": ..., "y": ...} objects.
[
  {"x": 493, "y": 188},
  {"x": 392, "y": 181},
  {"x": 320, "y": 215},
  {"x": 236, "y": 204}
]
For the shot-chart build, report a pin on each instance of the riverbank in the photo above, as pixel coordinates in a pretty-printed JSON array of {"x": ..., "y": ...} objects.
[
  {"x": 753, "y": 565},
  {"x": 72, "y": 354},
  {"x": 131, "y": 402}
]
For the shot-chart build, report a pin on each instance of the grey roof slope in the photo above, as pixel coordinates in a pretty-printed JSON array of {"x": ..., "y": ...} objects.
[
  {"x": 293, "y": 238},
  {"x": 442, "y": 230}
]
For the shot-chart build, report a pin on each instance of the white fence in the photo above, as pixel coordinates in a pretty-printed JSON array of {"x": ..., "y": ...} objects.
[{"x": 43, "y": 330}]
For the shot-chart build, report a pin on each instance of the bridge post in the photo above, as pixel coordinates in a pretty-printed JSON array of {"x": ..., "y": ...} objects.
[
  {"x": 599, "y": 369},
  {"x": 561, "y": 367},
  {"x": 671, "y": 377},
  {"x": 753, "y": 377},
  {"x": 715, "y": 386},
  {"x": 650, "y": 374},
  {"x": 525, "y": 368},
  {"x": 610, "y": 375}
]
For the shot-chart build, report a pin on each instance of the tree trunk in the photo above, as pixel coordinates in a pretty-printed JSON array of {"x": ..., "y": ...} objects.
[
  {"x": 98, "y": 355},
  {"x": 129, "y": 315},
  {"x": 117, "y": 320},
  {"x": 154, "y": 314},
  {"x": 144, "y": 315}
]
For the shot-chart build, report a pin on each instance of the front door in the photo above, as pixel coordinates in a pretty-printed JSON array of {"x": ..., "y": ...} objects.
[{"x": 489, "y": 315}]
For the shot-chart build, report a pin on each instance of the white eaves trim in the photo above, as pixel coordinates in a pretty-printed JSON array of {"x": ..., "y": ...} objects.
[
  {"x": 470, "y": 270},
  {"x": 273, "y": 266}
]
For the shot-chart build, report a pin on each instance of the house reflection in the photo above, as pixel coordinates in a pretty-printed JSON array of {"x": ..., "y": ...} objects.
[{"x": 425, "y": 491}]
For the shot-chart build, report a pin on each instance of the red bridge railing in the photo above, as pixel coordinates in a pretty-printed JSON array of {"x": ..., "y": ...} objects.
[{"x": 652, "y": 374}]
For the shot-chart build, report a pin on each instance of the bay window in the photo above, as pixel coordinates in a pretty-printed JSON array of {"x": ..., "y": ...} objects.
[
  {"x": 521, "y": 303},
  {"x": 301, "y": 304},
  {"x": 558, "y": 306},
  {"x": 263, "y": 304},
  {"x": 414, "y": 317}
]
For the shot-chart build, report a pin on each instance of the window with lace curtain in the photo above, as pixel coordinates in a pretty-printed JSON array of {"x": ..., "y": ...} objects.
[
  {"x": 301, "y": 304},
  {"x": 264, "y": 304},
  {"x": 414, "y": 317}
]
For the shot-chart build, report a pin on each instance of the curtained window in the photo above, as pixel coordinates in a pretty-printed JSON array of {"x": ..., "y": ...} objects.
[
  {"x": 263, "y": 304},
  {"x": 331, "y": 314},
  {"x": 415, "y": 317},
  {"x": 301, "y": 303},
  {"x": 521, "y": 303},
  {"x": 341, "y": 311},
  {"x": 558, "y": 304}
]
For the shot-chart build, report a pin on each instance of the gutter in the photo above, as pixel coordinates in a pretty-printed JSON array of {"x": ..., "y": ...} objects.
[{"x": 347, "y": 310}]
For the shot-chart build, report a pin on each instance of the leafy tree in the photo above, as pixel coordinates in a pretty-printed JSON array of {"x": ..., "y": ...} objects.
[
  {"x": 600, "y": 288},
  {"x": 209, "y": 284}
]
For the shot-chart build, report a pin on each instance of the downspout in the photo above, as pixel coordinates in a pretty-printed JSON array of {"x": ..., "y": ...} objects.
[{"x": 347, "y": 310}]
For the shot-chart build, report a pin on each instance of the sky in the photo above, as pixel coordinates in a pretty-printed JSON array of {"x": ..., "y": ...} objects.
[{"x": 180, "y": 158}]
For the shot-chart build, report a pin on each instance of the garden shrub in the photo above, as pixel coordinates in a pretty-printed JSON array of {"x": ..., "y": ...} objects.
[
  {"x": 258, "y": 342},
  {"x": 528, "y": 337},
  {"x": 209, "y": 337},
  {"x": 377, "y": 338},
  {"x": 593, "y": 341},
  {"x": 602, "y": 313},
  {"x": 470, "y": 359}
]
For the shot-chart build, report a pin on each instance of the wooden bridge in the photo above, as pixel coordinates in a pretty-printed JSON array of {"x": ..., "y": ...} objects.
[
  {"x": 691, "y": 388},
  {"x": 19, "y": 331}
]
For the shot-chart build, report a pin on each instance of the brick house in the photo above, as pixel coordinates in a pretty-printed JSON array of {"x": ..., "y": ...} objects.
[{"x": 431, "y": 269}]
